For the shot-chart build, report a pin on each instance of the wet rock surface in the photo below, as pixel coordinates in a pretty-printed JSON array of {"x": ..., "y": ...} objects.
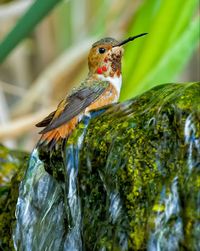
[{"x": 126, "y": 179}]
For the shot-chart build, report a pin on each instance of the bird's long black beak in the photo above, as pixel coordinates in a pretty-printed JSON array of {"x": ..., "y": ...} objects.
[{"x": 130, "y": 39}]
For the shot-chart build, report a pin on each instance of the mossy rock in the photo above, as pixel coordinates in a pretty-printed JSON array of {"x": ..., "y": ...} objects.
[
  {"x": 141, "y": 160},
  {"x": 126, "y": 179},
  {"x": 12, "y": 168}
]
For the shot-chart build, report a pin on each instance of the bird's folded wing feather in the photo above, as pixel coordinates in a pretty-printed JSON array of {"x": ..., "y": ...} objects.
[{"x": 72, "y": 106}]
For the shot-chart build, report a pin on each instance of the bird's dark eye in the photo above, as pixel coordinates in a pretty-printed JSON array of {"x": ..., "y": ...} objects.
[{"x": 102, "y": 50}]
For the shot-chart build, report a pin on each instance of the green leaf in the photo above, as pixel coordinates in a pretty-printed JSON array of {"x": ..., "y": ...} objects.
[
  {"x": 171, "y": 63},
  {"x": 141, "y": 23},
  {"x": 184, "y": 18},
  {"x": 156, "y": 41},
  {"x": 25, "y": 25},
  {"x": 166, "y": 22}
]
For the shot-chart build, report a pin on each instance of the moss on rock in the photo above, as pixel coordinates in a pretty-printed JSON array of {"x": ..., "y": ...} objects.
[
  {"x": 12, "y": 168},
  {"x": 147, "y": 151},
  {"x": 127, "y": 178}
]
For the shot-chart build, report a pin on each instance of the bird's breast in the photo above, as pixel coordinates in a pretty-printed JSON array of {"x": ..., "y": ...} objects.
[{"x": 115, "y": 81}]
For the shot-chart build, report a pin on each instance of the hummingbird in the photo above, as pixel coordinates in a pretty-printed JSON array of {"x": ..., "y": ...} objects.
[{"x": 100, "y": 88}]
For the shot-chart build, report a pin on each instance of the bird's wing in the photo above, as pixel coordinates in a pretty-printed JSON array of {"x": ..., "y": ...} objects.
[
  {"x": 46, "y": 120},
  {"x": 72, "y": 106}
]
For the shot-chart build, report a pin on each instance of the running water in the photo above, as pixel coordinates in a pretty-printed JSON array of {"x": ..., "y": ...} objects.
[{"x": 127, "y": 179}]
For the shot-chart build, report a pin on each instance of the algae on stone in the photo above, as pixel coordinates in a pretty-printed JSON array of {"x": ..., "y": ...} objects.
[
  {"x": 12, "y": 168},
  {"x": 147, "y": 151},
  {"x": 127, "y": 179}
]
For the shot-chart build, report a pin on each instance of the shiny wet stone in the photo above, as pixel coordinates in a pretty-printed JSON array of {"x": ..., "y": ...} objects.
[{"x": 126, "y": 179}]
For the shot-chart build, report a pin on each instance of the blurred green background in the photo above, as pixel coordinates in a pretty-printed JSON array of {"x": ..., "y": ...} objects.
[{"x": 44, "y": 46}]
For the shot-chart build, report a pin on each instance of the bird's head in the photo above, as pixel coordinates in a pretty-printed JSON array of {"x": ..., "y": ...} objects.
[{"x": 105, "y": 56}]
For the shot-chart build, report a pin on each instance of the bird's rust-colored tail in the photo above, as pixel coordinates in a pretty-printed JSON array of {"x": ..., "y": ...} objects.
[{"x": 61, "y": 132}]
